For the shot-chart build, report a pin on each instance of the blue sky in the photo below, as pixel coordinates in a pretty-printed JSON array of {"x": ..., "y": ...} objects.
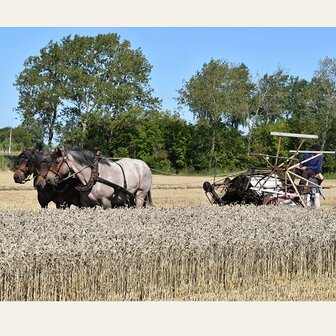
[{"x": 176, "y": 54}]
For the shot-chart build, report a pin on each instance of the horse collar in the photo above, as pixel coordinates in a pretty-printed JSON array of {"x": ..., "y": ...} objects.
[{"x": 93, "y": 177}]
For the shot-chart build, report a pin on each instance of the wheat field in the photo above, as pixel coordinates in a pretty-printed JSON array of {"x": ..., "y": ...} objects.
[
  {"x": 167, "y": 191},
  {"x": 184, "y": 249}
]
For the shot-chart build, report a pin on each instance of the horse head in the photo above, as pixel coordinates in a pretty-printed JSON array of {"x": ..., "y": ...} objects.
[
  {"x": 26, "y": 165},
  {"x": 42, "y": 171},
  {"x": 53, "y": 169}
]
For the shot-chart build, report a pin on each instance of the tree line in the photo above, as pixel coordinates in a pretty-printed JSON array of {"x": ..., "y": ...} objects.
[{"x": 94, "y": 93}]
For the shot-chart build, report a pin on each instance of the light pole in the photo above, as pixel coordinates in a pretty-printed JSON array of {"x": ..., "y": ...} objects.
[
  {"x": 10, "y": 141},
  {"x": 10, "y": 136}
]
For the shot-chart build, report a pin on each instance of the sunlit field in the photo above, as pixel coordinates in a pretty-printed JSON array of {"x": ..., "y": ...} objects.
[
  {"x": 182, "y": 249},
  {"x": 167, "y": 191}
]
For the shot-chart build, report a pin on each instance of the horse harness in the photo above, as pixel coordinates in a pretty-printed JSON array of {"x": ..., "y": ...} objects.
[
  {"x": 96, "y": 178},
  {"x": 28, "y": 170}
]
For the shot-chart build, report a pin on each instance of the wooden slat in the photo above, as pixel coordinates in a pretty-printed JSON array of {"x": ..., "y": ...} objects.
[
  {"x": 271, "y": 191},
  {"x": 271, "y": 156},
  {"x": 296, "y": 135},
  {"x": 313, "y": 152}
]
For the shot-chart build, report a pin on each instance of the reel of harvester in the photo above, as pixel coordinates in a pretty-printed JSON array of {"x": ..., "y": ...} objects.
[{"x": 274, "y": 184}]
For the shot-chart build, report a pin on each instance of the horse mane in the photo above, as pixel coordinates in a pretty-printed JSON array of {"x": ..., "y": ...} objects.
[
  {"x": 32, "y": 155},
  {"x": 86, "y": 157},
  {"x": 45, "y": 158}
]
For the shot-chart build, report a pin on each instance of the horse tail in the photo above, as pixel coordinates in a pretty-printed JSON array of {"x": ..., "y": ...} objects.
[{"x": 149, "y": 198}]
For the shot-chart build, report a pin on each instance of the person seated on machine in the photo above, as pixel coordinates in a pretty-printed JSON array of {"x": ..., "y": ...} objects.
[{"x": 311, "y": 168}]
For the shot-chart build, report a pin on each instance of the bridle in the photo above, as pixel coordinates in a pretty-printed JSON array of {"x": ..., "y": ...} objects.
[
  {"x": 56, "y": 171},
  {"x": 28, "y": 169}
]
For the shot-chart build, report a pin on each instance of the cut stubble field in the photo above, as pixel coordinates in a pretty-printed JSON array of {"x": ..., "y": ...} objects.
[{"x": 167, "y": 191}]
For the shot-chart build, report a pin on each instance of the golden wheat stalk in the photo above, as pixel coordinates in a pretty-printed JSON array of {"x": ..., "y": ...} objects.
[{"x": 191, "y": 253}]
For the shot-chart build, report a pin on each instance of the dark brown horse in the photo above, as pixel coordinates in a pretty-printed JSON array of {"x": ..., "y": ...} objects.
[{"x": 29, "y": 163}]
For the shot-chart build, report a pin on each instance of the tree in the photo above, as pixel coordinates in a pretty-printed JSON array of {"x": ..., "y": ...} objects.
[
  {"x": 230, "y": 154},
  {"x": 323, "y": 102},
  {"x": 268, "y": 103},
  {"x": 217, "y": 93},
  {"x": 80, "y": 76},
  {"x": 177, "y": 138},
  {"x": 41, "y": 90},
  {"x": 20, "y": 137},
  {"x": 104, "y": 74},
  {"x": 199, "y": 149}
]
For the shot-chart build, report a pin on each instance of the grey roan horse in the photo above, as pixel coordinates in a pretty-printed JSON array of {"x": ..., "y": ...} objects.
[{"x": 102, "y": 181}]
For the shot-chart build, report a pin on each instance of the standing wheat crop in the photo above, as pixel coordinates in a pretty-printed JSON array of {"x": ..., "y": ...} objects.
[{"x": 191, "y": 253}]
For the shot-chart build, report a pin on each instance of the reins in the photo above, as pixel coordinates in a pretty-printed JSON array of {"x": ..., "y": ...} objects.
[
  {"x": 116, "y": 187},
  {"x": 71, "y": 175}
]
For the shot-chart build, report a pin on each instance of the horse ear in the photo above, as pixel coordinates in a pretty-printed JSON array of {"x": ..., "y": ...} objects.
[{"x": 60, "y": 150}]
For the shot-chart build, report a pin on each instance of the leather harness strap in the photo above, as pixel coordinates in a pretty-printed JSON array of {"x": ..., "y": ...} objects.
[
  {"x": 96, "y": 178},
  {"x": 122, "y": 169},
  {"x": 116, "y": 187},
  {"x": 93, "y": 177}
]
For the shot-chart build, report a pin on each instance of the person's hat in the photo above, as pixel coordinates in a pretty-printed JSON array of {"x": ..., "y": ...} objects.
[{"x": 315, "y": 147}]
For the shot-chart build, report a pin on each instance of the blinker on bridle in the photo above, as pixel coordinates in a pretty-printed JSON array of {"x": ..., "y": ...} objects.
[{"x": 28, "y": 165}]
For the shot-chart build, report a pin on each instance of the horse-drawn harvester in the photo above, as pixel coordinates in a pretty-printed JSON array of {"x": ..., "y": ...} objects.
[{"x": 274, "y": 184}]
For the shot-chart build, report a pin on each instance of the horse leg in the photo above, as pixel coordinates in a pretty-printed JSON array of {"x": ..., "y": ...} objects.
[
  {"x": 148, "y": 199},
  {"x": 43, "y": 201},
  {"x": 62, "y": 205},
  {"x": 140, "y": 197},
  {"x": 143, "y": 199},
  {"x": 106, "y": 203}
]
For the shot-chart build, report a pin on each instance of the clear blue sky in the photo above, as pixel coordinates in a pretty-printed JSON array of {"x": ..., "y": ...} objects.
[{"x": 176, "y": 54}]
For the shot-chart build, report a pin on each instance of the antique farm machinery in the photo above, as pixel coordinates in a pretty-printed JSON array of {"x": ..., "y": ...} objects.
[{"x": 274, "y": 184}]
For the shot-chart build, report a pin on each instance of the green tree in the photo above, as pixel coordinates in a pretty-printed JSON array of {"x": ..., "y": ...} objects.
[
  {"x": 177, "y": 138},
  {"x": 217, "y": 94},
  {"x": 268, "y": 102},
  {"x": 105, "y": 74},
  {"x": 230, "y": 154},
  {"x": 150, "y": 145},
  {"x": 323, "y": 102},
  {"x": 199, "y": 155},
  {"x": 80, "y": 76},
  {"x": 21, "y": 137},
  {"x": 113, "y": 136},
  {"x": 299, "y": 96},
  {"x": 40, "y": 87}
]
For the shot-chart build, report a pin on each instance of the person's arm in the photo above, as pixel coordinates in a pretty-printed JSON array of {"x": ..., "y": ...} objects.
[
  {"x": 305, "y": 157},
  {"x": 315, "y": 164}
]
